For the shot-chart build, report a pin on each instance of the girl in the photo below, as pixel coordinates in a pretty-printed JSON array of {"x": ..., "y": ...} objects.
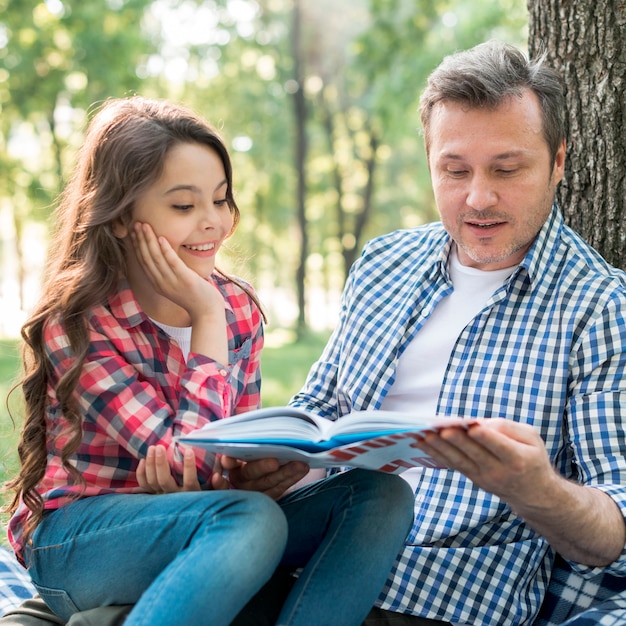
[{"x": 138, "y": 338}]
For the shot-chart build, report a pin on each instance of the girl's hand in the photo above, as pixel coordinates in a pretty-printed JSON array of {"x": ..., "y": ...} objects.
[
  {"x": 180, "y": 284},
  {"x": 170, "y": 276},
  {"x": 154, "y": 474}
]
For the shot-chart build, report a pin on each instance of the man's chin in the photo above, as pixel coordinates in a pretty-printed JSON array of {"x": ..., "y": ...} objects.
[{"x": 487, "y": 258}]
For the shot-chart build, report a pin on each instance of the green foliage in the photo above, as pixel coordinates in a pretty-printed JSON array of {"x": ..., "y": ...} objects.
[
  {"x": 9, "y": 361},
  {"x": 9, "y": 370},
  {"x": 60, "y": 58}
]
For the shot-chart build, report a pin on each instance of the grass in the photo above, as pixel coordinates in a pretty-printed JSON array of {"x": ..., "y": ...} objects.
[
  {"x": 285, "y": 363},
  {"x": 9, "y": 370}
]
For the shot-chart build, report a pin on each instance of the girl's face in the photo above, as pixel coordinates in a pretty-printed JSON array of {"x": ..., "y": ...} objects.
[{"x": 187, "y": 205}]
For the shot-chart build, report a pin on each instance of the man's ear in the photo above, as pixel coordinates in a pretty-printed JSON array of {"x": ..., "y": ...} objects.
[{"x": 559, "y": 163}]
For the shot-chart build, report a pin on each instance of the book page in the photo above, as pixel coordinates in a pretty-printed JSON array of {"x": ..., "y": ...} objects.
[{"x": 267, "y": 424}]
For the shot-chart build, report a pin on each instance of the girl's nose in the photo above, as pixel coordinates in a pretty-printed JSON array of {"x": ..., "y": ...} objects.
[{"x": 208, "y": 217}]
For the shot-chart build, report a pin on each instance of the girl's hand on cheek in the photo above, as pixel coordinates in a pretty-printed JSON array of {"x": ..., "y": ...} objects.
[{"x": 170, "y": 276}]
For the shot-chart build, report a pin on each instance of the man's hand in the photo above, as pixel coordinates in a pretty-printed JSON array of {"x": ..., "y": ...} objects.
[
  {"x": 510, "y": 460},
  {"x": 265, "y": 475},
  {"x": 501, "y": 456}
]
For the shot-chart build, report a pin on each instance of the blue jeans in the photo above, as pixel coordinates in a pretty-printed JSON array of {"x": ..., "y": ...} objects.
[{"x": 198, "y": 557}]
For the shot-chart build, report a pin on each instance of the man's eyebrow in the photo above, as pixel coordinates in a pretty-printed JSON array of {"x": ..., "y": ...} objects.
[
  {"x": 512, "y": 154},
  {"x": 451, "y": 155}
]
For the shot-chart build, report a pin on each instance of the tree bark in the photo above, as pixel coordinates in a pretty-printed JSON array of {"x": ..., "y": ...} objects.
[
  {"x": 301, "y": 148},
  {"x": 586, "y": 41}
]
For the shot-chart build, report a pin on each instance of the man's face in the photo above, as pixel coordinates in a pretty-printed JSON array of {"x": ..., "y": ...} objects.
[{"x": 492, "y": 177}]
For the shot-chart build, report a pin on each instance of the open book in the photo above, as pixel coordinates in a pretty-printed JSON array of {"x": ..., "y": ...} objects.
[{"x": 380, "y": 440}]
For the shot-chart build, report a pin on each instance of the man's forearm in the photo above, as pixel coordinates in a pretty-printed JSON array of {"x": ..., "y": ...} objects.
[{"x": 581, "y": 523}]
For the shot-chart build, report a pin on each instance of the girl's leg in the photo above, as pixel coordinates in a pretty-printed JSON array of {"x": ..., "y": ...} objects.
[
  {"x": 346, "y": 531},
  {"x": 181, "y": 558}
]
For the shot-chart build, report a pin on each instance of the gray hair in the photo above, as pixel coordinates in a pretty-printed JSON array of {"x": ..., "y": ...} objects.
[{"x": 490, "y": 73}]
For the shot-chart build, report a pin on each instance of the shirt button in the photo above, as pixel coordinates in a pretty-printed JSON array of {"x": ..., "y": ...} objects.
[{"x": 223, "y": 373}]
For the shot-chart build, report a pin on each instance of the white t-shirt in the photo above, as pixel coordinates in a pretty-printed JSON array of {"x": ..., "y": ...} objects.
[
  {"x": 422, "y": 365},
  {"x": 182, "y": 336}
]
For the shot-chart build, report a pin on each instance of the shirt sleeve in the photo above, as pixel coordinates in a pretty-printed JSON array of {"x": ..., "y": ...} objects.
[{"x": 596, "y": 411}]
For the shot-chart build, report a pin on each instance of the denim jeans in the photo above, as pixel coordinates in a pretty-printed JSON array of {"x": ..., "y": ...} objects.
[{"x": 198, "y": 557}]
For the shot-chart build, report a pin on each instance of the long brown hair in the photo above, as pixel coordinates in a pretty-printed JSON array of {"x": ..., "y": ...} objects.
[{"x": 124, "y": 151}]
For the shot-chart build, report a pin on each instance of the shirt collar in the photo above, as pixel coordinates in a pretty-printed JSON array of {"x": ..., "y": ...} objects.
[
  {"x": 124, "y": 306},
  {"x": 443, "y": 262},
  {"x": 540, "y": 257}
]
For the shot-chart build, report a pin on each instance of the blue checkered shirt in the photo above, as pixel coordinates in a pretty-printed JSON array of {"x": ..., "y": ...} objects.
[{"x": 548, "y": 349}]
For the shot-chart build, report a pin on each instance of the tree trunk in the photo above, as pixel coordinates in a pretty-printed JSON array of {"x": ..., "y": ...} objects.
[
  {"x": 586, "y": 41},
  {"x": 350, "y": 254},
  {"x": 300, "y": 155}
]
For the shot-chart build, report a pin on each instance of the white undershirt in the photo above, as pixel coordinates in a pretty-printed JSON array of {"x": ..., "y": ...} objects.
[
  {"x": 422, "y": 365},
  {"x": 182, "y": 336}
]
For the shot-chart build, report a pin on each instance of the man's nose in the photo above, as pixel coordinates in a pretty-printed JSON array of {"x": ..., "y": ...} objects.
[{"x": 481, "y": 193}]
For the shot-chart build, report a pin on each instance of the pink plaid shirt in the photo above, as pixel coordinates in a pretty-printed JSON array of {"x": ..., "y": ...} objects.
[{"x": 136, "y": 390}]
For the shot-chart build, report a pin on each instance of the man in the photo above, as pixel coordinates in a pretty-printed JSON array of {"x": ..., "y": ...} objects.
[{"x": 499, "y": 312}]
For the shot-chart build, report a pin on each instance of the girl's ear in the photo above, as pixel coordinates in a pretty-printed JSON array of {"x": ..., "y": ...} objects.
[{"x": 120, "y": 229}]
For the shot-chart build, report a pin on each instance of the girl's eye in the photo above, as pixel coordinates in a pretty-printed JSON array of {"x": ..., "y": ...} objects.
[
  {"x": 221, "y": 202},
  {"x": 183, "y": 207}
]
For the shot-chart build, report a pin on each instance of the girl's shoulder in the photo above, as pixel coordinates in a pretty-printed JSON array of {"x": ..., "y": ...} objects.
[
  {"x": 239, "y": 294},
  {"x": 231, "y": 283}
]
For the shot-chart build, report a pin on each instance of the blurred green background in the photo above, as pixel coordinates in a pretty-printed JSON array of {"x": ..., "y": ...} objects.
[{"x": 316, "y": 99}]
